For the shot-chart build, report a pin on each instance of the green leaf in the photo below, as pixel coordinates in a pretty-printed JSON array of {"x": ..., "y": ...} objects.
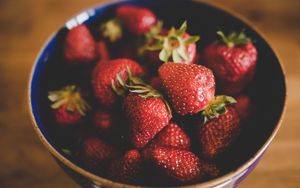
[
  {"x": 157, "y": 46},
  {"x": 175, "y": 56},
  {"x": 164, "y": 55},
  {"x": 190, "y": 40},
  {"x": 182, "y": 29},
  {"x": 182, "y": 52}
]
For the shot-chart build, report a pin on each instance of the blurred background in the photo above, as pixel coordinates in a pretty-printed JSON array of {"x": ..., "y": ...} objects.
[{"x": 26, "y": 24}]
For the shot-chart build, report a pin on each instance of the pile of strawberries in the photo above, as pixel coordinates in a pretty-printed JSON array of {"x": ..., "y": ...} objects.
[{"x": 175, "y": 125}]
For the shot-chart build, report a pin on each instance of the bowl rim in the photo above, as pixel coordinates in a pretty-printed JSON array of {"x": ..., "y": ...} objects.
[{"x": 219, "y": 181}]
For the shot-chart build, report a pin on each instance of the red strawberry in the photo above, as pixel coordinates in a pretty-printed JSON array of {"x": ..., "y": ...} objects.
[
  {"x": 244, "y": 106},
  {"x": 146, "y": 116},
  {"x": 127, "y": 168},
  {"x": 137, "y": 20},
  {"x": 103, "y": 51},
  {"x": 106, "y": 73},
  {"x": 180, "y": 165},
  {"x": 233, "y": 62},
  {"x": 221, "y": 127},
  {"x": 172, "y": 136},
  {"x": 96, "y": 152},
  {"x": 68, "y": 105},
  {"x": 174, "y": 45},
  {"x": 80, "y": 46},
  {"x": 190, "y": 87},
  {"x": 103, "y": 121},
  {"x": 156, "y": 83}
]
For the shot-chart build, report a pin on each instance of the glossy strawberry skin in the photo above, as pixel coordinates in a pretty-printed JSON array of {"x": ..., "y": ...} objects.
[
  {"x": 179, "y": 165},
  {"x": 190, "y": 88},
  {"x": 64, "y": 117},
  {"x": 80, "y": 46},
  {"x": 172, "y": 136},
  {"x": 216, "y": 135},
  {"x": 128, "y": 168},
  {"x": 146, "y": 118},
  {"x": 191, "y": 49},
  {"x": 233, "y": 67},
  {"x": 137, "y": 20},
  {"x": 96, "y": 152},
  {"x": 105, "y": 72},
  {"x": 103, "y": 121}
]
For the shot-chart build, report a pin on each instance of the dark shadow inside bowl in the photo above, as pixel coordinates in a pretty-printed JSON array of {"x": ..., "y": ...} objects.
[{"x": 268, "y": 88}]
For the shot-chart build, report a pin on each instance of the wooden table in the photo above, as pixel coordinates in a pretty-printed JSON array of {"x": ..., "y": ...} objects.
[{"x": 24, "y": 27}]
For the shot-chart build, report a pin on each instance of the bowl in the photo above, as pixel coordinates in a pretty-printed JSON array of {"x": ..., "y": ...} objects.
[{"x": 268, "y": 88}]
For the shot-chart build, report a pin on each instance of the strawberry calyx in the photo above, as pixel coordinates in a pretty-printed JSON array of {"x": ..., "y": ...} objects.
[
  {"x": 173, "y": 46},
  {"x": 71, "y": 96},
  {"x": 138, "y": 86},
  {"x": 217, "y": 107},
  {"x": 234, "y": 38},
  {"x": 112, "y": 30}
]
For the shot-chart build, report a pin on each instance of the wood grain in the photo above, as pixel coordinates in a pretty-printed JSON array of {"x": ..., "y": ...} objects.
[{"x": 25, "y": 25}]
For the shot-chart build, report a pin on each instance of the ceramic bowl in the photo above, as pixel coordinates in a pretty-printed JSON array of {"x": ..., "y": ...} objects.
[{"x": 268, "y": 88}]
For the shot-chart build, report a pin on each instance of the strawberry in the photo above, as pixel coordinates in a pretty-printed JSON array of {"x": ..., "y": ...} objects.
[
  {"x": 103, "y": 121},
  {"x": 80, "y": 46},
  {"x": 107, "y": 73},
  {"x": 146, "y": 116},
  {"x": 172, "y": 136},
  {"x": 127, "y": 168},
  {"x": 244, "y": 106},
  {"x": 179, "y": 165},
  {"x": 96, "y": 152},
  {"x": 137, "y": 20},
  {"x": 103, "y": 51},
  {"x": 146, "y": 110},
  {"x": 220, "y": 128},
  {"x": 233, "y": 61},
  {"x": 175, "y": 45},
  {"x": 190, "y": 87},
  {"x": 68, "y": 106},
  {"x": 156, "y": 83}
]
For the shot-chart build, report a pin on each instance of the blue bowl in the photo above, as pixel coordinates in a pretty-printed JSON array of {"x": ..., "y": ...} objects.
[{"x": 268, "y": 88}]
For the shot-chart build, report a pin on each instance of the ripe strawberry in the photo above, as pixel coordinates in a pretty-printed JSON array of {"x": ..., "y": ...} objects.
[
  {"x": 190, "y": 87},
  {"x": 172, "y": 136},
  {"x": 103, "y": 51},
  {"x": 244, "y": 106},
  {"x": 137, "y": 20},
  {"x": 175, "y": 45},
  {"x": 127, "y": 168},
  {"x": 179, "y": 165},
  {"x": 103, "y": 121},
  {"x": 96, "y": 152},
  {"x": 80, "y": 46},
  {"x": 233, "y": 62},
  {"x": 220, "y": 128},
  {"x": 106, "y": 73},
  {"x": 156, "y": 83},
  {"x": 68, "y": 105},
  {"x": 146, "y": 116}
]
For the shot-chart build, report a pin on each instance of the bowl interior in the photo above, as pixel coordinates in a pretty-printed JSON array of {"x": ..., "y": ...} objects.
[{"x": 267, "y": 89}]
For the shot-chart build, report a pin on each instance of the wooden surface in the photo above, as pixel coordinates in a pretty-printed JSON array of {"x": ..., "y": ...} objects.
[{"x": 24, "y": 27}]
